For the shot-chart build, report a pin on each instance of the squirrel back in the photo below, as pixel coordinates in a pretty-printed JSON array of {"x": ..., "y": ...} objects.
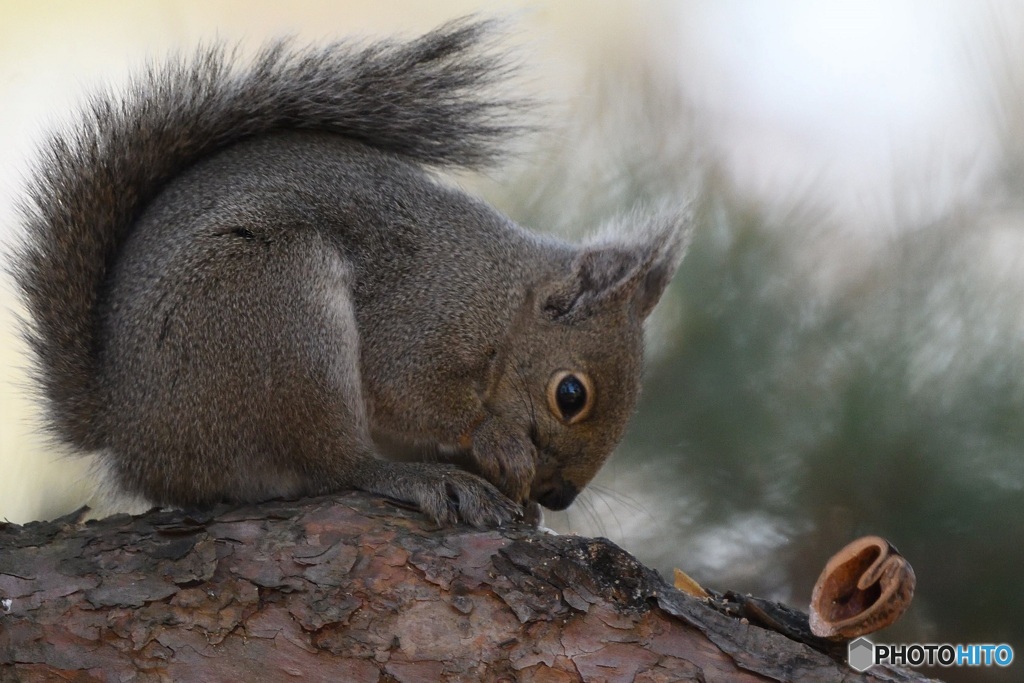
[
  {"x": 423, "y": 100},
  {"x": 244, "y": 283}
]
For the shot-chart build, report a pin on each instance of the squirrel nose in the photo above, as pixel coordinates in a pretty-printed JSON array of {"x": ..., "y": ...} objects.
[{"x": 558, "y": 496}]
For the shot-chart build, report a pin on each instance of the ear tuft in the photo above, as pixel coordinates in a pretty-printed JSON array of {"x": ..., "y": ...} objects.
[
  {"x": 630, "y": 263},
  {"x": 666, "y": 235}
]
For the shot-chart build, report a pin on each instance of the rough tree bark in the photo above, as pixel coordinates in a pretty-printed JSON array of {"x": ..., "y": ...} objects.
[{"x": 349, "y": 588}]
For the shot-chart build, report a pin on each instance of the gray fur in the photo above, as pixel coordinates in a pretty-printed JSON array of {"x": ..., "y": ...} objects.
[{"x": 244, "y": 284}]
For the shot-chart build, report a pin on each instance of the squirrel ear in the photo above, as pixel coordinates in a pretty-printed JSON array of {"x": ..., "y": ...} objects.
[{"x": 633, "y": 273}]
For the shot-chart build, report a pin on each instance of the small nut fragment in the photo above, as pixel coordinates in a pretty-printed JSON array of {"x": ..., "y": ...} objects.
[
  {"x": 685, "y": 583},
  {"x": 865, "y": 587}
]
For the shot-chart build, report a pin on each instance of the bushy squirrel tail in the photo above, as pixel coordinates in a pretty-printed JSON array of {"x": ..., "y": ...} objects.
[{"x": 427, "y": 99}]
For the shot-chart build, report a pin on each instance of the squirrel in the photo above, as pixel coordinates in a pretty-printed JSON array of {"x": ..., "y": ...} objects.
[{"x": 248, "y": 281}]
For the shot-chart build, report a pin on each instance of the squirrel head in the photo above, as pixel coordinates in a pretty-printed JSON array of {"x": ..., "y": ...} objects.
[{"x": 576, "y": 358}]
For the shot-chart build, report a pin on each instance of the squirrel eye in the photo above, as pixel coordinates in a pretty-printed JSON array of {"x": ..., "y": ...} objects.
[{"x": 570, "y": 396}]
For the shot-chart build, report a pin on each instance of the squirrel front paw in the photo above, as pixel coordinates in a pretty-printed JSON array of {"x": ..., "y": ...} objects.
[
  {"x": 453, "y": 495},
  {"x": 506, "y": 457},
  {"x": 444, "y": 493}
]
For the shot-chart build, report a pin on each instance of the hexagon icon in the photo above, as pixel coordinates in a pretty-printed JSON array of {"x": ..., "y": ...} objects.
[{"x": 861, "y": 654}]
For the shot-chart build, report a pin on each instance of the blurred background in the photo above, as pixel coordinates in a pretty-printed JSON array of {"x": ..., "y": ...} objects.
[{"x": 842, "y": 352}]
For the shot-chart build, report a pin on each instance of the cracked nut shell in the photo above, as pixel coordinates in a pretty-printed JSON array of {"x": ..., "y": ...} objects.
[{"x": 865, "y": 587}]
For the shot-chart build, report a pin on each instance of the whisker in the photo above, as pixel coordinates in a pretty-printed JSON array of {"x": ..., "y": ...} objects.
[
  {"x": 627, "y": 501},
  {"x": 586, "y": 506},
  {"x": 611, "y": 510}
]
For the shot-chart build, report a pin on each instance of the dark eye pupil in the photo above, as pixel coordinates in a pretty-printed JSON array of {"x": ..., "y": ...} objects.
[{"x": 571, "y": 396}]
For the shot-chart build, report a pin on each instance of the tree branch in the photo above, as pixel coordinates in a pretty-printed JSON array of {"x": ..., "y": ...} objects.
[{"x": 349, "y": 588}]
